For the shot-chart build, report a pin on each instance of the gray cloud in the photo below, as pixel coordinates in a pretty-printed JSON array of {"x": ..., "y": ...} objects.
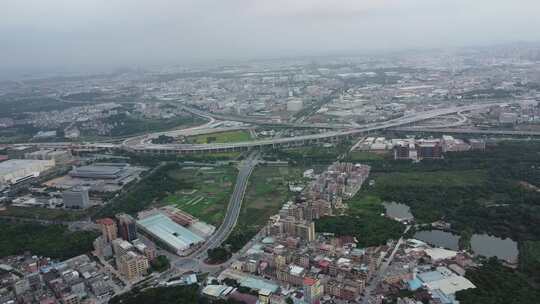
[{"x": 109, "y": 33}]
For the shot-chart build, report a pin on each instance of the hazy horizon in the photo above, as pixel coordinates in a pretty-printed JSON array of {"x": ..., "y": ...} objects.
[{"x": 101, "y": 34}]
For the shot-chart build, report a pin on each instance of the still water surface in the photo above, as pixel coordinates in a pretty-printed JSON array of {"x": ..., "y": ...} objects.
[
  {"x": 439, "y": 238},
  {"x": 481, "y": 244},
  {"x": 398, "y": 211}
]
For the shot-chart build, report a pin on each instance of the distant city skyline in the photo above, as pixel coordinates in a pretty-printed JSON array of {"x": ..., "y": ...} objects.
[{"x": 99, "y": 35}]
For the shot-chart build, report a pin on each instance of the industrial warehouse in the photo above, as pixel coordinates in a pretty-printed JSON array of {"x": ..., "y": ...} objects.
[
  {"x": 17, "y": 170},
  {"x": 98, "y": 177},
  {"x": 174, "y": 236},
  {"x": 99, "y": 171}
]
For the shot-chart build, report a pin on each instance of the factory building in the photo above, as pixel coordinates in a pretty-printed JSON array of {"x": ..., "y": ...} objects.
[
  {"x": 99, "y": 171},
  {"x": 477, "y": 144},
  {"x": 76, "y": 198},
  {"x": 429, "y": 149},
  {"x": 59, "y": 156},
  {"x": 165, "y": 231},
  {"x": 18, "y": 170}
]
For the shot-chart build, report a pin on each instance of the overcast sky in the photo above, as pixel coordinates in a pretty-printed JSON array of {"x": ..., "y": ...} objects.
[{"x": 112, "y": 33}]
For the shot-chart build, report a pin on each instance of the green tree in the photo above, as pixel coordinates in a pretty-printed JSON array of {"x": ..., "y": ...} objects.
[
  {"x": 218, "y": 255},
  {"x": 160, "y": 263},
  {"x": 497, "y": 284},
  {"x": 369, "y": 230},
  {"x": 54, "y": 241}
]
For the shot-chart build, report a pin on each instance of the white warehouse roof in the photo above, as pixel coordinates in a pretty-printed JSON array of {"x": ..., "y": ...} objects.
[
  {"x": 174, "y": 235},
  {"x": 14, "y": 170}
]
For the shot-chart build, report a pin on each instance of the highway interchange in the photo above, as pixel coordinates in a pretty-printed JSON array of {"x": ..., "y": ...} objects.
[
  {"x": 143, "y": 144},
  {"x": 149, "y": 147},
  {"x": 196, "y": 260}
]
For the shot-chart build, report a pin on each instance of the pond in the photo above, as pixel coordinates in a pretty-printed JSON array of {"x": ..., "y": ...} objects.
[
  {"x": 439, "y": 238},
  {"x": 488, "y": 246},
  {"x": 481, "y": 244},
  {"x": 400, "y": 212}
]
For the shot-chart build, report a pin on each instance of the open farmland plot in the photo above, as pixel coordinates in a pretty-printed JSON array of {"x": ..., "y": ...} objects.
[
  {"x": 206, "y": 192},
  {"x": 267, "y": 191}
]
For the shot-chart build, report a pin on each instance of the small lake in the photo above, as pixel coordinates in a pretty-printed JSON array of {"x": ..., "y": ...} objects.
[
  {"x": 481, "y": 244},
  {"x": 398, "y": 211},
  {"x": 488, "y": 246},
  {"x": 439, "y": 238}
]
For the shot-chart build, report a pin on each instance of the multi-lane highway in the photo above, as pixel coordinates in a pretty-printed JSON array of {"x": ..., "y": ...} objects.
[
  {"x": 143, "y": 145},
  {"x": 195, "y": 261},
  {"x": 173, "y": 133},
  {"x": 149, "y": 148},
  {"x": 233, "y": 210},
  {"x": 262, "y": 121},
  {"x": 469, "y": 131}
]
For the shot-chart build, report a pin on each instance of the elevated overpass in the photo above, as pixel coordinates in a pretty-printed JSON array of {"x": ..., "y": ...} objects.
[
  {"x": 469, "y": 131},
  {"x": 260, "y": 121},
  {"x": 305, "y": 139},
  {"x": 139, "y": 145}
]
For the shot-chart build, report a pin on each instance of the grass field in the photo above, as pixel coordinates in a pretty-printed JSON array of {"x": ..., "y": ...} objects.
[
  {"x": 221, "y": 137},
  {"x": 365, "y": 203},
  {"x": 267, "y": 191},
  {"x": 207, "y": 194}
]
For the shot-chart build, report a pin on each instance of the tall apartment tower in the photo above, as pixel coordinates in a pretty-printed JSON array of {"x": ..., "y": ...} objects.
[
  {"x": 126, "y": 227},
  {"x": 109, "y": 230}
]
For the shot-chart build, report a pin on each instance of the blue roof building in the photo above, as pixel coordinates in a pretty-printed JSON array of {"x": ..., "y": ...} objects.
[
  {"x": 414, "y": 284},
  {"x": 430, "y": 276},
  {"x": 176, "y": 237}
]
